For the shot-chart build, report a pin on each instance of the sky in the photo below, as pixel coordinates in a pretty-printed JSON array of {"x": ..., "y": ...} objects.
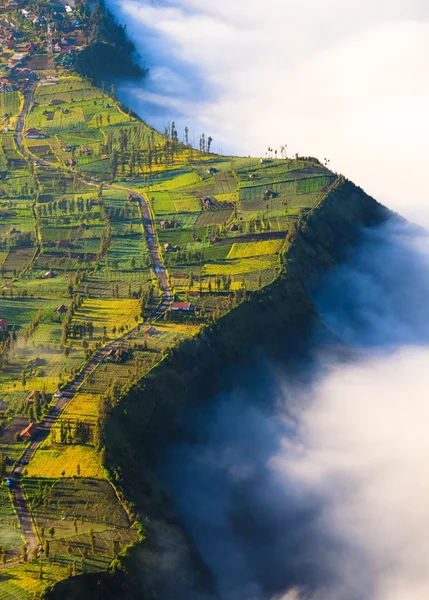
[{"x": 347, "y": 81}]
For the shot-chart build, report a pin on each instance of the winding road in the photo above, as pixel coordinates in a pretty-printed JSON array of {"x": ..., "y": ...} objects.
[{"x": 44, "y": 428}]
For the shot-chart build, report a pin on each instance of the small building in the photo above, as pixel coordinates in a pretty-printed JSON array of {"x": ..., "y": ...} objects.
[
  {"x": 61, "y": 309},
  {"x": 268, "y": 194},
  {"x": 206, "y": 201},
  {"x": 66, "y": 148},
  {"x": 150, "y": 332},
  {"x": 3, "y": 324},
  {"x": 130, "y": 197},
  {"x": 28, "y": 432},
  {"x": 211, "y": 171},
  {"x": 234, "y": 227},
  {"x": 168, "y": 247},
  {"x": 70, "y": 162},
  {"x": 181, "y": 306},
  {"x": 58, "y": 394},
  {"x": 167, "y": 224},
  {"x": 31, "y": 397},
  {"x": 36, "y": 362},
  {"x": 34, "y": 134},
  {"x": 48, "y": 275},
  {"x": 9, "y": 286}
]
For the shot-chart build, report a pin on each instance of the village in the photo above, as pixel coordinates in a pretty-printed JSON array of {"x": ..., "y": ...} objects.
[{"x": 117, "y": 244}]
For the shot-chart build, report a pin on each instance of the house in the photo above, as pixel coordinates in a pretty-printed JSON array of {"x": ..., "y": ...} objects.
[
  {"x": 3, "y": 324},
  {"x": 85, "y": 150},
  {"x": 12, "y": 230},
  {"x": 150, "y": 332},
  {"x": 263, "y": 161},
  {"x": 70, "y": 162},
  {"x": 167, "y": 224},
  {"x": 68, "y": 8},
  {"x": 36, "y": 362},
  {"x": 28, "y": 432},
  {"x": 61, "y": 309},
  {"x": 9, "y": 286},
  {"x": 66, "y": 148},
  {"x": 168, "y": 247},
  {"x": 268, "y": 194},
  {"x": 130, "y": 197},
  {"x": 233, "y": 227},
  {"x": 56, "y": 102},
  {"x": 210, "y": 171},
  {"x": 58, "y": 394},
  {"x": 206, "y": 201},
  {"x": 31, "y": 397},
  {"x": 34, "y": 134},
  {"x": 47, "y": 275},
  {"x": 181, "y": 306}
]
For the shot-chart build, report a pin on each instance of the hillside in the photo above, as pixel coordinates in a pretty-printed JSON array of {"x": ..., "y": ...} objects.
[{"x": 133, "y": 267}]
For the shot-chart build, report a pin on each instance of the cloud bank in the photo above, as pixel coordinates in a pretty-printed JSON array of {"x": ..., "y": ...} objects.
[
  {"x": 314, "y": 487},
  {"x": 344, "y": 80}
]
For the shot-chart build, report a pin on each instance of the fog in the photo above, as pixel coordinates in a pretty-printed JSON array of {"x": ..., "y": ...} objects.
[
  {"x": 311, "y": 483},
  {"x": 343, "y": 80}
]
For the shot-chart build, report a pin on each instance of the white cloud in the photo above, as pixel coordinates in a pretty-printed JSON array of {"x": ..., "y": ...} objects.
[
  {"x": 364, "y": 447},
  {"x": 345, "y": 80}
]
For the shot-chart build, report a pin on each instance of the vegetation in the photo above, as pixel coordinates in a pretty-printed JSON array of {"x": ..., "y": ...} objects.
[{"x": 131, "y": 264}]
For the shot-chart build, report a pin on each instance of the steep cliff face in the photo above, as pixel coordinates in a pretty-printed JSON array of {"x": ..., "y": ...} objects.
[{"x": 275, "y": 320}]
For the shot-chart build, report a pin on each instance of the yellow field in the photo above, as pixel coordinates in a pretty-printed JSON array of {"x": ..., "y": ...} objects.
[
  {"x": 50, "y": 460},
  {"x": 233, "y": 197},
  {"x": 24, "y": 579},
  {"x": 255, "y": 249},
  {"x": 242, "y": 265},
  {"x": 82, "y": 406},
  {"x": 109, "y": 314},
  {"x": 187, "y": 205}
]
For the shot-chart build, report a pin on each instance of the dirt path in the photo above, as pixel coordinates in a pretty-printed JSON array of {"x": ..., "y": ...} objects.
[{"x": 44, "y": 428}]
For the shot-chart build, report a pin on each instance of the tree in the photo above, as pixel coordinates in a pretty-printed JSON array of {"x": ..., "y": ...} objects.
[{"x": 92, "y": 540}]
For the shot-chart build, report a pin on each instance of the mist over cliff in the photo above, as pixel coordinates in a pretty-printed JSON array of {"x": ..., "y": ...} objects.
[{"x": 307, "y": 480}]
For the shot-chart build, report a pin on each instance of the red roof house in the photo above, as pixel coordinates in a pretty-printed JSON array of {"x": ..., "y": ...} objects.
[{"x": 29, "y": 431}]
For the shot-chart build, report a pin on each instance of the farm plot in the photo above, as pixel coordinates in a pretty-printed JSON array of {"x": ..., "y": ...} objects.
[
  {"x": 250, "y": 249},
  {"x": 52, "y": 460},
  {"x": 189, "y": 204},
  {"x": 91, "y": 502},
  {"x": 213, "y": 217},
  {"x": 183, "y": 180},
  {"x": 19, "y": 217},
  {"x": 17, "y": 260},
  {"x": 241, "y": 265},
  {"x": 225, "y": 183},
  {"x": 12, "y": 101},
  {"x": 108, "y": 314},
  {"x": 82, "y": 407},
  {"x": 10, "y": 536}
]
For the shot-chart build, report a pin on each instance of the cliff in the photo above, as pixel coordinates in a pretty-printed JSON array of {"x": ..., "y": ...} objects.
[{"x": 275, "y": 321}]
